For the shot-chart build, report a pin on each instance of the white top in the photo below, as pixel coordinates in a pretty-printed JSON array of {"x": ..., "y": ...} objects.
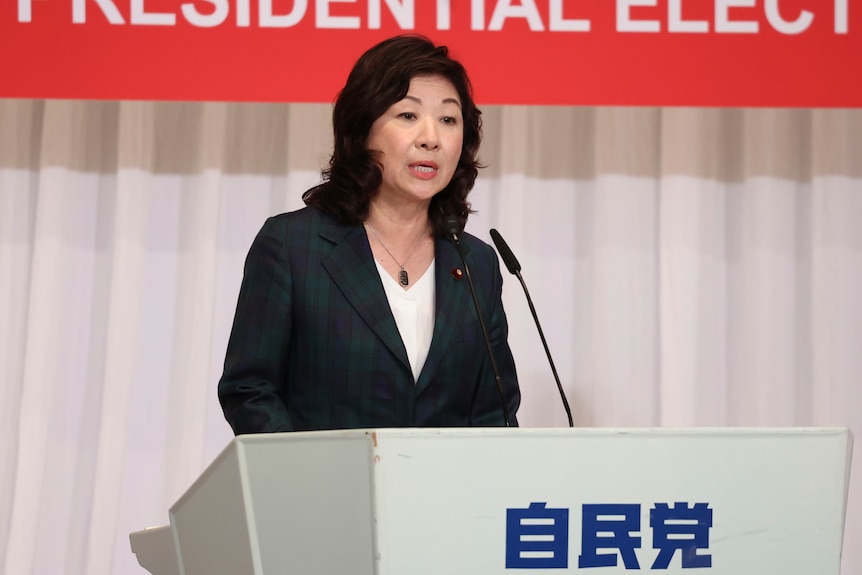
[{"x": 413, "y": 309}]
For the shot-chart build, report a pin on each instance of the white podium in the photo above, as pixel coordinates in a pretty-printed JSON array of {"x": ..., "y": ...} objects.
[{"x": 491, "y": 501}]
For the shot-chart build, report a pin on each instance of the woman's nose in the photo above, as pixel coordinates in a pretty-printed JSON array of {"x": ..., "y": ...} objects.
[{"x": 428, "y": 137}]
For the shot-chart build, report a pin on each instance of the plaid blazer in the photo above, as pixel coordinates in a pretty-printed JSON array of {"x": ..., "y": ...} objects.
[{"x": 314, "y": 344}]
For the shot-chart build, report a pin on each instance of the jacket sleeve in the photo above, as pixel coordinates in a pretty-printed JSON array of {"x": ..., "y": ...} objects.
[{"x": 254, "y": 366}]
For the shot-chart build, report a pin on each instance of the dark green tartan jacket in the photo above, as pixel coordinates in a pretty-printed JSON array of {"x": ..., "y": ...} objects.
[{"x": 314, "y": 344}]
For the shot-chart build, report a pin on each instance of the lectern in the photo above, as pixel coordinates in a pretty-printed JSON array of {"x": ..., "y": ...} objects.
[{"x": 726, "y": 501}]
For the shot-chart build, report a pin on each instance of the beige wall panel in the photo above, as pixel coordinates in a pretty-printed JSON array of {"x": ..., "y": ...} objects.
[
  {"x": 309, "y": 139},
  {"x": 837, "y": 143},
  {"x": 79, "y": 135},
  {"x": 776, "y": 143},
  {"x": 702, "y": 143},
  {"x": 551, "y": 142},
  {"x": 628, "y": 141},
  {"x": 542, "y": 141},
  {"x": 20, "y": 128}
]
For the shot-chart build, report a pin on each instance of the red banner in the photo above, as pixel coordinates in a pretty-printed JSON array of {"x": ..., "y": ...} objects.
[{"x": 787, "y": 53}]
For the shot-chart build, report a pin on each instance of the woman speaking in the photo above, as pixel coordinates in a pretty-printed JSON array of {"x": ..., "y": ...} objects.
[{"x": 354, "y": 311}]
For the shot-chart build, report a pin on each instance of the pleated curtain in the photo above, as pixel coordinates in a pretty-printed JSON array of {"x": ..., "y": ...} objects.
[{"x": 690, "y": 266}]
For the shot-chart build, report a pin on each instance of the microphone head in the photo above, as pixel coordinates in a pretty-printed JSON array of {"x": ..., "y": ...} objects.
[
  {"x": 509, "y": 258},
  {"x": 453, "y": 226}
]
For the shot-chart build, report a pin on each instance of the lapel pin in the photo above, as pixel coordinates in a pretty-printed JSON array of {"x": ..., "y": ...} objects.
[{"x": 457, "y": 273}]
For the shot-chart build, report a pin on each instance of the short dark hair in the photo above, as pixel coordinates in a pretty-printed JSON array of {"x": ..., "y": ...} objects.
[{"x": 380, "y": 78}]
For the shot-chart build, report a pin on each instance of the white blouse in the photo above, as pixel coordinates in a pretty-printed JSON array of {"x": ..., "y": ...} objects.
[{"x": 413, "y": 309}]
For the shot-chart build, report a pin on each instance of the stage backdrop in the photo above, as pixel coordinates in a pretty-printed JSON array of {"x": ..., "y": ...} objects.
[
  {"x": 787, "y": 53},
  {"x": 693, "y": 266}
]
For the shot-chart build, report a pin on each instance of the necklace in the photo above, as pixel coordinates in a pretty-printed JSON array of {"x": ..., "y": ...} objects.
[{"x": 403, "y": 279}]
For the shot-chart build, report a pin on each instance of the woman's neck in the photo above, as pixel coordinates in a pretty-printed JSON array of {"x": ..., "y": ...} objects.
[
  {"x": 401, "y": 241},
  {"x": 398, "y": 223}
]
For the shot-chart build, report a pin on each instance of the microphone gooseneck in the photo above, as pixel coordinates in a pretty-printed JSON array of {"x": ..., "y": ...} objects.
[
  {"x": 511, "y": 263},
  {"x": 509, "y": 259},
  {"x": 453, "y": 230}
]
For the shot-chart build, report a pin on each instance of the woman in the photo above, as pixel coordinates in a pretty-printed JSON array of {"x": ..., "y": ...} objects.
[{"x": 352, "y": 311}]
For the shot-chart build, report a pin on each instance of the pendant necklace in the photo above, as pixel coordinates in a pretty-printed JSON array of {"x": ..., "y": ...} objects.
[{"x": 402, "y": 274}]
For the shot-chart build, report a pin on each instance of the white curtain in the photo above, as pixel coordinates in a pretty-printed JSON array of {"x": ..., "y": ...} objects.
[{"x": 691, "y": 267}]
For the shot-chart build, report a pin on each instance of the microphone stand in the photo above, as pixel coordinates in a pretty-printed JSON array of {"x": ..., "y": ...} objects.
[
  {"x": 515, "y": 268},
  {"x": 453, "y": 228}
]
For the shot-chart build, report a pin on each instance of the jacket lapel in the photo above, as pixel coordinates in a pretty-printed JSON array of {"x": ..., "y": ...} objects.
[
  {"x": 452, "y": 306},
  {"x": 351, "y": 266}
]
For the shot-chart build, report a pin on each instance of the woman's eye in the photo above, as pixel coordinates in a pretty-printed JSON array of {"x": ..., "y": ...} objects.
[
  {"x": 408, "y": 115},
  {"x": 449, "y": 120}
]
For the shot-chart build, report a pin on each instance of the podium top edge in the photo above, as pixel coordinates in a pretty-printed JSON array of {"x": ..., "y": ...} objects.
[{"x": 551, "y": 432}]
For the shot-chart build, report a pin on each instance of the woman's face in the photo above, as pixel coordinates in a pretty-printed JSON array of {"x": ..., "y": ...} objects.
[{"x": 419, "y": 139}]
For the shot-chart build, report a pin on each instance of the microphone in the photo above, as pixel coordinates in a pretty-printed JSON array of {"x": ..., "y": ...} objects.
[
  {"x": 514, "y": 268},
  {"x": 453, "y": 229}
]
